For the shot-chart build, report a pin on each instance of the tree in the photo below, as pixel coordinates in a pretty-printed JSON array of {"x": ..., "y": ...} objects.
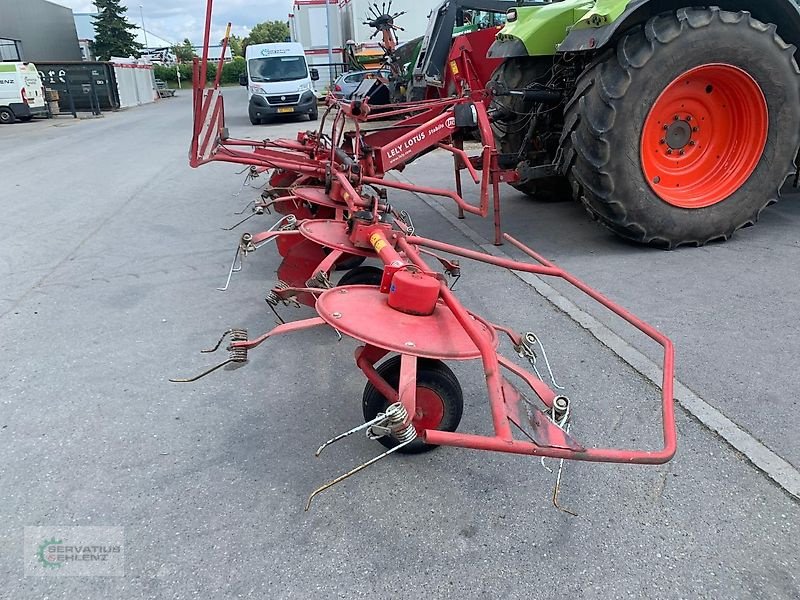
[
  {"x": 235, "y": 44},
  {"x": 267, "y": 32},
  {"x": 113, "y": 35},
  {"x": 184, "y": 52}
]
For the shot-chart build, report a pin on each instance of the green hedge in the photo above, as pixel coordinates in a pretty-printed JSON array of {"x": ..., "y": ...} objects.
[{"x": 230, "y": 71}]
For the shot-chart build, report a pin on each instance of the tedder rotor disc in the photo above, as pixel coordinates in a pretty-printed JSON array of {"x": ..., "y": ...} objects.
[
  {"x": 362, "y": 312},
  {"x": 317, "y": 195},
  {"x": 332, "y": 234}
]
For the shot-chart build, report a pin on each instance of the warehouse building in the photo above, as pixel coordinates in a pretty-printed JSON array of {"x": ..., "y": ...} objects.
[
  {"x": 37, "y": 31},
  {"x": 85, "y": 27}
]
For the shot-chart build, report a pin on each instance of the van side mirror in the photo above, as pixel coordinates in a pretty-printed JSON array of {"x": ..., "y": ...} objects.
[
  {"x": 314, "y": 74},
  {"x": 243, "y": 79}
]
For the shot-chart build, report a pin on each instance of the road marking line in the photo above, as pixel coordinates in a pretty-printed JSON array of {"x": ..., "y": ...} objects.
[{"x": 774, "y": 466}]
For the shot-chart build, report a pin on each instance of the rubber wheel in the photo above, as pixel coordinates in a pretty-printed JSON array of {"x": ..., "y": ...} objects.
[
  {"x": 440, "y": 401},
  {"x": 366, "y": 275},
  {"x": 347, "y": 262},
  {"x": 742, "y": 91},
  {"x": 351, "y": 262},
  {"x": 255, "y": 120},
  {"x": 509, "y": 133},
  {"x": 6, "y": 116}
]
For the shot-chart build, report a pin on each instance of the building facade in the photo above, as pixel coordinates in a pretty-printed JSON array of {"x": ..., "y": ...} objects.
[{"x": 37, "y": 30}]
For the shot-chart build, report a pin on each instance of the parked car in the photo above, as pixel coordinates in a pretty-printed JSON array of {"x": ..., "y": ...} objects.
[
  {"x": 346, "y": 83},
  {"x": 21, "y": 92}
]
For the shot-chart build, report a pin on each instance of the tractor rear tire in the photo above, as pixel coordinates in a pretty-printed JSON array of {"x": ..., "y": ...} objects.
[
  {"x": 440, "y": 401},
  {"x": 688, "y": 130},
  {"x": 509, "y": 134}
]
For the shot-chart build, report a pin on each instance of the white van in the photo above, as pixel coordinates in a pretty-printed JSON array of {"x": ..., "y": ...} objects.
[
  {"x": 278, "y": 82},
  {"x": 21, "y": 92}
]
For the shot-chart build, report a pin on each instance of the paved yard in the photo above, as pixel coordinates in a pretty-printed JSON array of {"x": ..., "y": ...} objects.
[{"x": 110, "y": 253}]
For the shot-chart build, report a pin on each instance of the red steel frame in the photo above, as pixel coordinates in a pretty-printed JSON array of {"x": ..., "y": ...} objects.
[
  {"x": 321, "y": 158},
  {"x": 548, "y": 439},
  {"x": 363, "y": 156}
]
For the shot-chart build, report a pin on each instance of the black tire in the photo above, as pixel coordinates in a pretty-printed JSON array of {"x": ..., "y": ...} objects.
[
  {"x": 351, "y": 262},
  {"x": 6, "y": 116},
  {"x": 365, "y": 275},
  {"x": 348, "y": 262},
  {"x": 605, "y": 118},
  {"x": 431, "y": 374},
  {"x": 255, "y": 120},
  {"x": 313, "y": 116},
  {"x": 509, "y": 133},
  {"x": 415, "y": 93}
]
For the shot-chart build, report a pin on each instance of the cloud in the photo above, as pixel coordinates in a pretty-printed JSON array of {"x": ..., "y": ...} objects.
[{"x": 175, "y": 20}]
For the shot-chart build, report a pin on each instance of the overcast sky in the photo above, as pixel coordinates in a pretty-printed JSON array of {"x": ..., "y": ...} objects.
[{"x": 175, "y": 20}]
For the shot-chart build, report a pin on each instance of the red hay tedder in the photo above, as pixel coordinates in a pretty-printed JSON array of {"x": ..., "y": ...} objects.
[{"x": 330, "y": 185}]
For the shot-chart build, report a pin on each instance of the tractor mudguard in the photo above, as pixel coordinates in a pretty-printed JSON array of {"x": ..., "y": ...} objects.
[
  {"x": 598, "y": 27},
  {"x": 538, "y": 30}
]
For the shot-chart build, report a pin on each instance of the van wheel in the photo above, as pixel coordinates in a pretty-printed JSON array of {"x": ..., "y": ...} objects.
[
  {"x": 254, "y": 120},
  {"x": 313, "y": 116},
  {"x": 6, "y": 116}
]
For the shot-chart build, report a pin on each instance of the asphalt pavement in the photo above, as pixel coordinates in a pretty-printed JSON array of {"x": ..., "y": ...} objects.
[
  {"x": 111, "y": 248},
  {"x": 730, "y": 308}
]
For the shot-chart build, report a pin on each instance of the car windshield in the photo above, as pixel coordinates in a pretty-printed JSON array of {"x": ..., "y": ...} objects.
[{"x": 277, "y": 68}]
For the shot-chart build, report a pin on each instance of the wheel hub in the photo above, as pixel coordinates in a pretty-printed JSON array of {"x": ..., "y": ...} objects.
[
  {"x": 679, "y": 134},
  {"x": 430, "y": 409},
  {"x": 704, "y": 136}
]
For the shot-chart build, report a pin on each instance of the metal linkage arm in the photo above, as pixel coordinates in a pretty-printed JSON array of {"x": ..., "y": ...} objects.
[{"x": 501, "y": 441}]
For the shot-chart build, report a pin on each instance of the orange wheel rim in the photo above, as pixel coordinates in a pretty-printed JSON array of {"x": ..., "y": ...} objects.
[{"x": 704, "y": 136}]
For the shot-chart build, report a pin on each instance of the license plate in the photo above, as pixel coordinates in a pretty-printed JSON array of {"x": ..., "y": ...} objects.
[{"x": 286, "y": 109}]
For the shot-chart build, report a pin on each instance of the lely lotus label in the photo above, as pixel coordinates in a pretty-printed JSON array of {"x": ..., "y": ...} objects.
[{"x": 417, "y": 140}]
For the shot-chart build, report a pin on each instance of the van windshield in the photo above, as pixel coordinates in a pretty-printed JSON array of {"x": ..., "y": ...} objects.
[{"x": 278, "y": 68}]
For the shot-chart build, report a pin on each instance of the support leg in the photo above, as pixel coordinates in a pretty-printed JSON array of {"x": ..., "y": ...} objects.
[
  {"x": 498, "y": 233},
  {"x": 407, "y": 390},
  {"x": 456, "y": 161}
]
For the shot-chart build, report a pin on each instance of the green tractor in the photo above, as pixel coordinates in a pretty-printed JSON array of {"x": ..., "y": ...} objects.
[{"x": 672, "y": 124}]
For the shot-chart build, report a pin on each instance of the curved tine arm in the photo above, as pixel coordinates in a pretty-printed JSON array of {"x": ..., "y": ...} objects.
[{"x": 280, "y": 330}]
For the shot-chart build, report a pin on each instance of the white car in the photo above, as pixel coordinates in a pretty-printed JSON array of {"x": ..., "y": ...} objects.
[
  {"x": 21, "y": 92},
  {"x": 347, "y": 83}
]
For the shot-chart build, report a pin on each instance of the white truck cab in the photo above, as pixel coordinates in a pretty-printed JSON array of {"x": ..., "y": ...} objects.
[
  {"x": 278, "y": 82},
  {"x": 21, "y": 92}
]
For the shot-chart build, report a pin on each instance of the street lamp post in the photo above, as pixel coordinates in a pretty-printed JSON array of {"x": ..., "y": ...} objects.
[{"x": 144, "y": 31}]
